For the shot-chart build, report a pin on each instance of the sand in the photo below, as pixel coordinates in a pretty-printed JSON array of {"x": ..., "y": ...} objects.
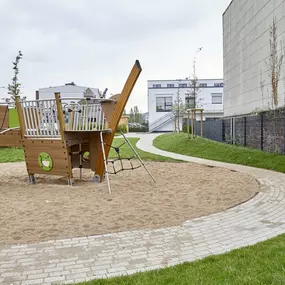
[{"x": 52, "y": 210}]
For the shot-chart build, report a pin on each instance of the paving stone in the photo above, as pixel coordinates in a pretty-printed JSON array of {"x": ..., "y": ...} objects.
[
  {"x": 32, "y": 282},
  {"x": 85, "y": 258}
]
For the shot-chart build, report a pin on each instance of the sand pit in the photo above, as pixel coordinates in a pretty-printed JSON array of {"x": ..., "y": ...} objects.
[{"x": 51, "y": 209}]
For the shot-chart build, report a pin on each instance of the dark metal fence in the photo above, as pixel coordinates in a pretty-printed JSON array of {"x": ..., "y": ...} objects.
[{"x": 263, "y": 131}]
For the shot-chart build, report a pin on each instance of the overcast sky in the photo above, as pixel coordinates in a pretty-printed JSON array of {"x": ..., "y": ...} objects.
[{"x": 95, "y": 43}]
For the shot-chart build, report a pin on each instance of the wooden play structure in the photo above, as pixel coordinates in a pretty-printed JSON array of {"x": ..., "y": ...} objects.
[
  {"x": 55, "y": 133},
  {"x": 193, "y": 113}
]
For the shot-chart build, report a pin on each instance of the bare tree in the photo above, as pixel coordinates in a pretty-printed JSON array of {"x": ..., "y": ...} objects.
[
  {"x": 274, "y": 65},
  {"x": 178, "y": 110},
  {"x": 193, "y": 94}
]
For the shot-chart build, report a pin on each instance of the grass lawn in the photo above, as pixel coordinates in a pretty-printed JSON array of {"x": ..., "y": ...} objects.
[
  {"x": 17, "y": 154},
  {"x": 199, "y": 147},
  {"x": 13, "y": 118},
  {"x": 11, "y": 154},
  {"x": 263, "y": 263},
  {"x": 126, "y": 151}
]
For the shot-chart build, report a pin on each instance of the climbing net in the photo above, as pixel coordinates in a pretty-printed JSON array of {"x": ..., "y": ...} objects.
[{"x": 120, "y": 159}]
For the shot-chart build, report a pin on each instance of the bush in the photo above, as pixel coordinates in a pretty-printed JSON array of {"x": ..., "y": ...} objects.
[
  {"x": 137, "y": 130},
  {"x": 122, "y": 128},
  {"x": 185, "y": 129}
]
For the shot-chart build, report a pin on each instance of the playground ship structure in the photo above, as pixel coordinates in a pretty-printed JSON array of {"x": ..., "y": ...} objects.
[{"x": 55, "y": 133}]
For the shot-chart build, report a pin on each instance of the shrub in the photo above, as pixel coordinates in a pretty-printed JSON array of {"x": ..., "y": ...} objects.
[
  {"x": 185, "y": 129},
  {"x": 122, "y": 128},
  {"x": 137, "y": 130}
]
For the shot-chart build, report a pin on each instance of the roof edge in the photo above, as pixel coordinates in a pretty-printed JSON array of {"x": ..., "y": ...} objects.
[{"x": 228, "y": 7}]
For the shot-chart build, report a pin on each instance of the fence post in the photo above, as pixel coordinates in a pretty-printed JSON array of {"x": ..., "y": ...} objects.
[
  {"x": 223, "y": 130},
  {"x": 244, "y": 132}
]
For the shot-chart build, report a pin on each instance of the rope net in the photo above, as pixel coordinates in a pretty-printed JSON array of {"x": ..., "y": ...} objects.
[{"x": 120, "y": 160}]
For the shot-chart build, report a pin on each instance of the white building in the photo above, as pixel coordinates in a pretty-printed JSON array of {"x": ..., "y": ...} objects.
[
  {"x": 163, "y": 94},
  {"x": 246, "y": 29},
  {"x": 69, "y": 90}
]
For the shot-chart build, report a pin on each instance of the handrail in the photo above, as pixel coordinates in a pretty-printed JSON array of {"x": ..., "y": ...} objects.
[
  {"x": 162, "y": 123},
  {"x": 68, "y": 98},
  {"x": 163, "y": 120},
  {"x": 169, "y": 114},
  {"x": 10, "y": 129}
]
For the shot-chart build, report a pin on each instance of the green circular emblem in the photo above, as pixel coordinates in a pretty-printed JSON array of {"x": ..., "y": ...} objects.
[{"x": 45, "y": 161}]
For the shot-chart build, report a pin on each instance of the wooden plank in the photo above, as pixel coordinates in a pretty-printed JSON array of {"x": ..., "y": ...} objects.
[
  {"x": 74, "y": 138},
  {"x": 109, "y": 108},
  {"x": 33, "y": 169},
  {"x": 20, "y": 116},
  {"x": 49, "y": 145},
  {"x": 31, "y": 141},
  {"x": 115, "y": 118},
  {"x": 69, "y": 163},
  {"x": 57, "y": 163},
  {"x": 95, "y": 150},
  {"x": 11, "y": 138},
  {"x": 60, "y": 114},
  {"x": 4, "y": 117},
  {"x": 57, "y": 151}
]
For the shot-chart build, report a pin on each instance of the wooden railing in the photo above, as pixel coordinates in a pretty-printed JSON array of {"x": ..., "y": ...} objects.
[
  {"x": 84, "y": 117},
  {"x": 40, "y": 117}
]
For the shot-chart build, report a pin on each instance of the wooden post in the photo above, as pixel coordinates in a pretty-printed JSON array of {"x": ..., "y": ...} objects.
[
  {"x": 20, "y": 116},
  {"x": 60, "y": 114},
  {"x": 71, "y": 118},
  {"x": 188, "y": 127},
  {"x": 116, "y": 114},
  {"x": 195, "y": 133},
  {"x": 201, "y": 123},
  {"x": 192, "y": 124},
  {"x": 62, "y": 130}
]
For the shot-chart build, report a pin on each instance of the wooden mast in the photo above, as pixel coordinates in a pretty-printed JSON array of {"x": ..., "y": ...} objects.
[{"x": 114, "y": 114}]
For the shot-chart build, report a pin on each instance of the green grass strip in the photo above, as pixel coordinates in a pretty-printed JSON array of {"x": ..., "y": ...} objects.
[{"x": 204, "y": 148}]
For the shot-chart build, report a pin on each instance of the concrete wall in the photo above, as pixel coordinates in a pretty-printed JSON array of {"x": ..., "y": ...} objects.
[{"x": 246, "y": 26}]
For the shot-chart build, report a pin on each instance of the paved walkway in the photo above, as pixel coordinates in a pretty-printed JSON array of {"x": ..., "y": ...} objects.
[{"x": 79, "y": 259}]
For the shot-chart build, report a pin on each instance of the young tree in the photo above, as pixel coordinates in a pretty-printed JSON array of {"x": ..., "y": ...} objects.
[
  {"x": 194, "y": 85},
  {"x": 193, "y": 100},
  {"x": 14, "y": 88},
  {"x": 132, "y": 115},
  {"x": 274, "y": 63},
  {"x": 193, "y": 94},
  {"x": 178, "y": 110},
  {"x": 137, "y": 115}
]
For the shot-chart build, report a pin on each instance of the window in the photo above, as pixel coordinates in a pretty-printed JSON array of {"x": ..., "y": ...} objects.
[
  {"x": 156, "y": 85},
  {"x": 217, "y": 98},
  {"x": 203, "y": 85},
  {"x": 170, "y": 85},
  {"x": 218, "y": 84},
  {"x": 182, "y": 85},
  {"x": 163, "y": 104},
  {"x": 190, "y": 103}
]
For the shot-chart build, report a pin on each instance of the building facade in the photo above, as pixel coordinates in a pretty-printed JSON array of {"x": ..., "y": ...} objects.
[
  {"x": 163, "y": 95},
  {"x": 246, "y": 33},
  {"x": 69, "y": 90}
]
